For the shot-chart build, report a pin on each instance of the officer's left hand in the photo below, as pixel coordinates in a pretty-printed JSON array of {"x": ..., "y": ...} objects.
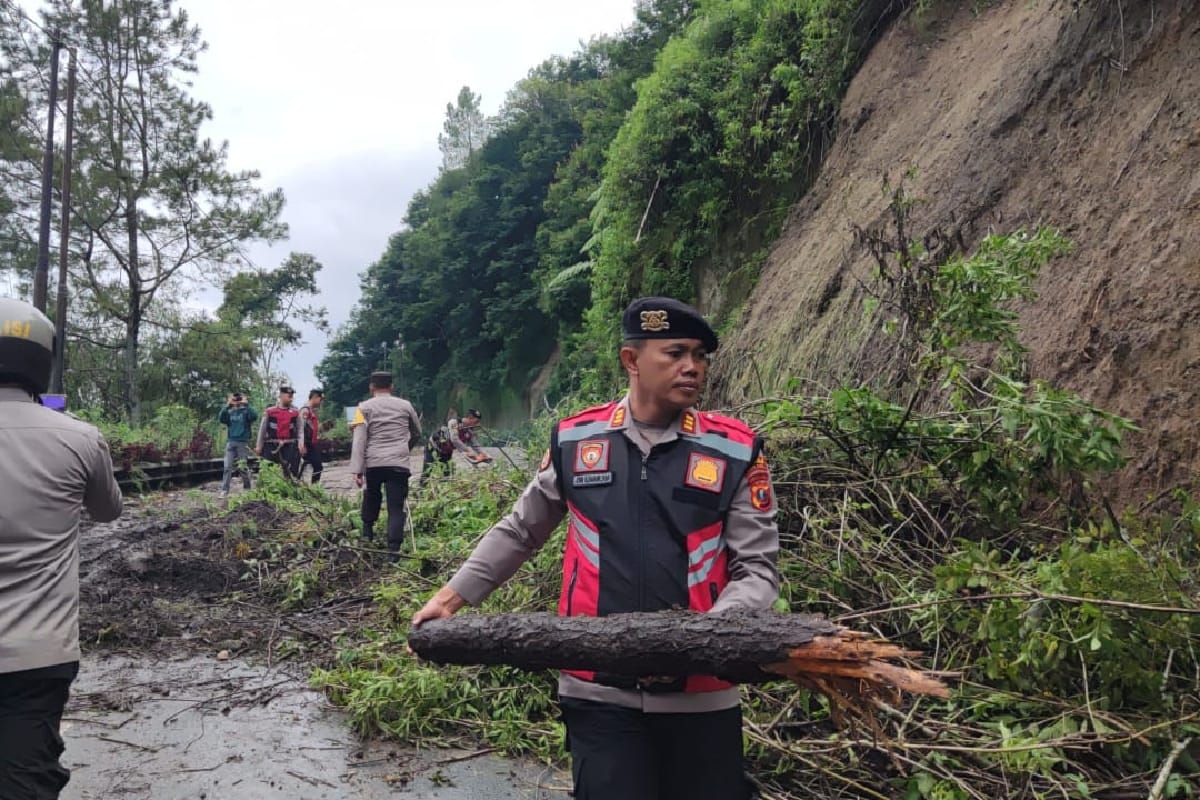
[{"x": 358, "y": 481}]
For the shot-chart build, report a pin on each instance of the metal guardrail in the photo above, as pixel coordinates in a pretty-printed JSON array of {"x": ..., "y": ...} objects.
[{"x": 150, "y": 476}]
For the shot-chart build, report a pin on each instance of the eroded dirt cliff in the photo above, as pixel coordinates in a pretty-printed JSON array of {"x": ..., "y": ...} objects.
[{"x": 1085, "y": 116}]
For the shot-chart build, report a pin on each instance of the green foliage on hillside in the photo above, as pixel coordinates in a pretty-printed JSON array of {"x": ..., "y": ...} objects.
[
  {"x": 455, "y": 305},
  {"x": 720, "y": 143},
  {"x": 635, "y": 166}
]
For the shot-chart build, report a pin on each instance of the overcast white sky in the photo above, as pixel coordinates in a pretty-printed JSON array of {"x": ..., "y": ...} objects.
[{"x": 340, "y": 104}]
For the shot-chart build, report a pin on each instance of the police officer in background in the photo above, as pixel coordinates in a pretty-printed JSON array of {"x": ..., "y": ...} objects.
[
  {"x": 280, "y": 438},
  {"x": 52, "y": 466},
  {"x": 386, "y": 429},
  {"x": 667, "y": 507},
  {"x": 310, "y": 444}
]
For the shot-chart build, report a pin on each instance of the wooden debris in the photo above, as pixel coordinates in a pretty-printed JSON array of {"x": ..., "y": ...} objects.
[{"x": 741, "y": 646}]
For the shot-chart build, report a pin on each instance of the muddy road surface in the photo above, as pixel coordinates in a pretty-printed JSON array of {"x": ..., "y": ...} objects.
[{"x": 183, "y": 693}]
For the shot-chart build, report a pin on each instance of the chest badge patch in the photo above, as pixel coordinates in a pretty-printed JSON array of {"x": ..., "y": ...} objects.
[
  {"x": 591, "y": 456},
  {"x": 706, "y": 472}
]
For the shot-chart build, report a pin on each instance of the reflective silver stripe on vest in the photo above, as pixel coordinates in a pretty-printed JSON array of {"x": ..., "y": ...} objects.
[
  {"x": 584, "y": 534},
  {"x": 741, "y": 452},
  {"x": 702, "y": 574},
  {"x": 582, "y": 431},
  {"x": 706, "y": 547}
]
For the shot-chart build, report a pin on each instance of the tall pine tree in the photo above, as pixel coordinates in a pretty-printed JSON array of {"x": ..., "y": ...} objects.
[{"x": 154, "y": 204}]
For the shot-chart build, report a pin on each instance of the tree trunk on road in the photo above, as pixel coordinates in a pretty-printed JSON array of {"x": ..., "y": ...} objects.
[{"x": 740, "y": 646}]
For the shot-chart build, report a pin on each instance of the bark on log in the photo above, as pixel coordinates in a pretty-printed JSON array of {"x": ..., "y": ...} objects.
[
  {"x": 735, "y": 645},
  {"x": 740, "y": 646}
]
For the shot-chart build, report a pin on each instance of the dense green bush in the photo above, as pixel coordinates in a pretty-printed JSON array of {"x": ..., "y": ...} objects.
[{"x": 174, "y": 434}]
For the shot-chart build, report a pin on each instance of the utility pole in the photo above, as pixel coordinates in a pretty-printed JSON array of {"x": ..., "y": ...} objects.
[
  {"x": 57, "y": 382},
  {"x": 41, "y": 278}
]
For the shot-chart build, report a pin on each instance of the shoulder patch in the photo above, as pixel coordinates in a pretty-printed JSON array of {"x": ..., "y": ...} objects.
[
  {"x": 759, "y": 480},
  {"x": 359, "y": 419},
  {"x": 545, "y": 461}
]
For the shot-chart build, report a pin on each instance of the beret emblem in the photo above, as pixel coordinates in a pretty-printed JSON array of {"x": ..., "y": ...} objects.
[{"x": 655, "y": 321}]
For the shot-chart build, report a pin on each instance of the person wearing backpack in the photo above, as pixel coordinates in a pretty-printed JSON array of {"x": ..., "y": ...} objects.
[
  {"x": 310, "y": 423},
  {"x": 280, "y": 436},
  {"x": 439, "y": 452}
]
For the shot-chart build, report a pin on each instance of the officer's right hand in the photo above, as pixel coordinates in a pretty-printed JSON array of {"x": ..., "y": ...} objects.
[{"x": 442, "y": 605}]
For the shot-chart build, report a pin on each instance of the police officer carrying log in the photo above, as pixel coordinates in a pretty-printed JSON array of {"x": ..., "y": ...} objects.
[
  {"x": 52, "y": 466},
  {"x": 667, "y": 507},
  {"x": 280, "y": 436}
]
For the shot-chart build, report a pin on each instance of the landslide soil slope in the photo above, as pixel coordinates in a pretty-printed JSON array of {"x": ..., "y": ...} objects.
[{"x": 1085, "y": 116}]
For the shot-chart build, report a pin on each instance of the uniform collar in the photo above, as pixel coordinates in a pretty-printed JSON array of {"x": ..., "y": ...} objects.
[
  {"x": 11, "y": 394},
  {"x": 686, "y": 424}
]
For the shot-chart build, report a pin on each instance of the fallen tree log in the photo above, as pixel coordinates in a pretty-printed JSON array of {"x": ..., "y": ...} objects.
[{"x": 740, "y": 646}]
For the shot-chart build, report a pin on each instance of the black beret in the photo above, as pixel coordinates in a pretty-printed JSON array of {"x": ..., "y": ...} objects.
[
  {"x": 381, "y": 378},
  {"x": 472, "y": 412},
  {"x": 666, "y": 318},
  {"x": 286, "y": 390}
]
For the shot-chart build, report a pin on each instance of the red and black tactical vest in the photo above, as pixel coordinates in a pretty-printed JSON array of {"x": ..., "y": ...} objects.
[
  {"x": 647, "y": 534},
  {"x": 282, "y": 423},
  {"x": 312, "y": 427}
]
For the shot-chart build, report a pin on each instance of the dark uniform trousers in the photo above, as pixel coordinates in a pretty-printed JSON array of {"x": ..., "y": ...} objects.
[
  {"x": 31, "y": 708},
  {"x": 395, "y": 481},
  {"x": 622, "y": 753},
  {"x": 312, "y": 457},
  {"x": 286, "y": 454}
]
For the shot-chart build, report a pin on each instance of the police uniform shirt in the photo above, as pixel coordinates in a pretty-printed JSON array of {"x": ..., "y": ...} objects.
[
  {"x": 53, "y": 467},
  {"x": 385, "y": 429},
  {"x": 751, "y": 536}
]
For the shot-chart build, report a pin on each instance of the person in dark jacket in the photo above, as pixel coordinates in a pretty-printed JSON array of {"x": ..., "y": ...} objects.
[
  {"x": 53, "y": 466},
  {"x": 310, "y": 443},
  {"x": 238, "y": 417},
  {"x": 666, "y": 507}
]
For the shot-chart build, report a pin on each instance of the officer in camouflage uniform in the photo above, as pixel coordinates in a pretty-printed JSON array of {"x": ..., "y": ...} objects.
[{"x": 666, "y": 507}]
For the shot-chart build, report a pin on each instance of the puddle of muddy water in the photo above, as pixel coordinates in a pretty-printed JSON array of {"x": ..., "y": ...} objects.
[{"x": 193, "y": 728}]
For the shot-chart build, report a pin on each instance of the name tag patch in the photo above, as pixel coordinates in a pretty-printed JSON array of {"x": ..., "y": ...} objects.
[
  {"x": 592, "y": 479},
  {"x": 591, "y": 456},
  {"x": 706, "y": 472}
]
